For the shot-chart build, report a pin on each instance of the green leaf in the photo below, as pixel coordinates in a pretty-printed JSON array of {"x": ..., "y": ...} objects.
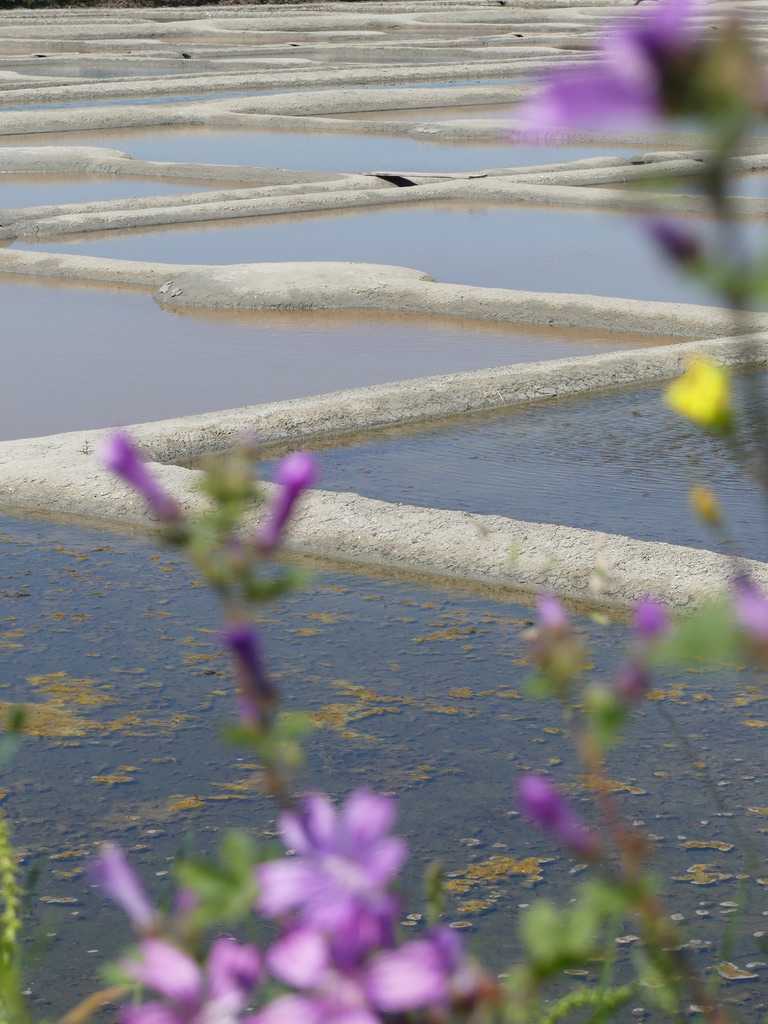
[
  {"x": 707, "y": 635},
  {"x": 541, "y": 928}
]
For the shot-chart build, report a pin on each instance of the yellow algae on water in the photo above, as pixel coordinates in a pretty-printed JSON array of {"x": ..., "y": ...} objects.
[
  {"x": 49, "y": 721},
  {"x": 475, "y": 907},
  {"x": 114, "y": 779},
  {"x": 461, "y": 692},
  {"x": 675, "y": 694},
  {"x": 702, "y": 874},
  {"x": 456, "y": 885},
  {"x": 696, "y": 844},
  {"x": 242, "y": 786},
  {"x": 64, "y": 688},
  {"x": 756, "y": 723},
  {"x": 497, "y": 867},
  {"x": 759, "y": 810},
  {"x": 612, "y": 786},
  {"x": 178, "y": 803},
  {"x": 448, "y": 633},
  {"x": 731, "y": 972}
]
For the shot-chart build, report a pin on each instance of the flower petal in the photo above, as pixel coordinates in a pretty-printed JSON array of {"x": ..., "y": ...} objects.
[
  {"x": 114, "y": 875},
  {"x": 233, "y": 971},
  {"x": 406, "y": 978},
  {"x": 151, "y": 1013},
  {"x": 168, "y": 970},
  {"x": 300, "y": 958},
  {"x": 289, "y": 1010},
  {"x": 368, "y": 816},
  {"x": 285, "y": 883}
]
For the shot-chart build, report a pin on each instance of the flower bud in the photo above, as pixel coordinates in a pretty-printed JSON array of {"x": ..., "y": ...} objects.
[
  {"x": 294, "y": 475},
  {"x": 120, "y": 455}
]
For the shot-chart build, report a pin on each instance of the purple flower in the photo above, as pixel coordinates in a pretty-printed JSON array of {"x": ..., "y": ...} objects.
[
  {"x": 750, "y": 608},
  {"x": 676, "y": 239},
  {"x": 342, "y": 866},
  {"x": 120, "y": 455},
  {"x": 552, "y": 616},
  {"x": 257, "y": 694},
  {"x": 117, "y": 879},
  {"x": 640, "y": 60},
  {"x": 190, "y": 994},
  {"x": 631, "y": 680},
  {"x": 651, "y": 620},
  {"x": 294, "y": 475},
  {"x": 542, "y": 802},
  {"x": 389, "y": 981}
]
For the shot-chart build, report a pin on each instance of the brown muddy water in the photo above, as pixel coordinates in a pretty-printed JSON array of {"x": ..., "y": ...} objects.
[
  {"x": 302, "y": 151},
  {"x": 112, "y": 644},
  {"x": 618, "y": 461},
  {"x": 596, "y": 252},
  {"x": 88, "y": 357}
]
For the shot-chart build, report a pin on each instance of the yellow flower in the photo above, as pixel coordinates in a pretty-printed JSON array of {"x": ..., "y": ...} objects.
[
  {"x": 705, "y": 504},
  {"x": 703, "y": 395}
]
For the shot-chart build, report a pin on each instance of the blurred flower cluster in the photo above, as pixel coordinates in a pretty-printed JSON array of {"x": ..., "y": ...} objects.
[{"x": 337, "y": 956}]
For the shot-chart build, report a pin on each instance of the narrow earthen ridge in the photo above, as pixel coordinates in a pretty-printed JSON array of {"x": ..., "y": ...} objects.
[
  {"x": 60, "y": 474},
  {"x": 326, "y": 285}
]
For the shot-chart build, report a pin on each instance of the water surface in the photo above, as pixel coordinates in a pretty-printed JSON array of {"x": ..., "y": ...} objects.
[
  {"x": 317, "y": 151},
  {"x": 89, "y": 357},
  {"x": 597, "y": 252},
  {"x": 414, "y": 690},
  {"x": 618, "y": 461}
]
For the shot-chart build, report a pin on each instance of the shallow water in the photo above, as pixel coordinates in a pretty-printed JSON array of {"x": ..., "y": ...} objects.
[
  {"x": 317, "y": 151},
  {"x": 113, "y": 645},
  {"x": 588, "y": 251},
  {"x": 82, "y": 358},
  {"x": 617, "y": 461}
]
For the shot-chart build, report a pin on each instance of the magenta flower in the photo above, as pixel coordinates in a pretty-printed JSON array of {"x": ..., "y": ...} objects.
[
  {"x": 676, "y": 239},
  {"x": 390, "y": 981},
  {"x": 552, "y": 617},
  {"x": 640, "y": 61},
  {"x": 190, "y": 994},
  {"x": 542, "y": 802},
  {"x": 342, "y": 866},
  {"x": 750, "y": 608},
  {"x": 651, "y": 620},
  {"x": 114, "y": 875},
  {"x": 120, "y": 455},
  {"x": 257, "y": 694},
  {"x": 294, "y": 475},
  {"x": 631, "y": 680}
]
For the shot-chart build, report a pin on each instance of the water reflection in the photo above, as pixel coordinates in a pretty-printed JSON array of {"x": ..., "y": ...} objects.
[{"x": 89, "y": 357}]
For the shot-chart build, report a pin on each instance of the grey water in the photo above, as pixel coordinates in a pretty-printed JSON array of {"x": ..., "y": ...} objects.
[
  {"x": 618, "y": 461},
  {"x": 576, "y": 251},
  {"x": 302, "y": 151},
  {"x": 415, "y": 690}
]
